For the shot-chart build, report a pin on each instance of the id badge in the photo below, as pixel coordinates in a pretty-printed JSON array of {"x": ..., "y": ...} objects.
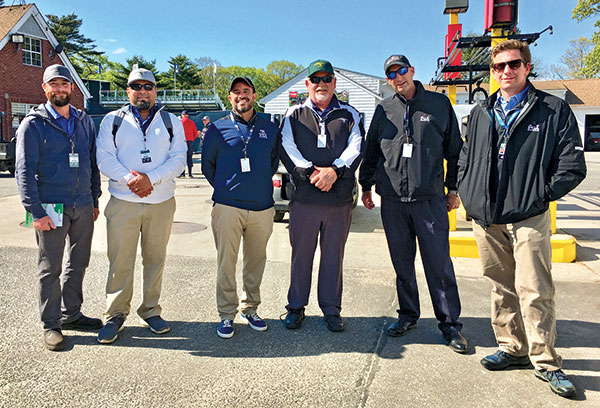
[
  {"x": 73, "y": 159},
  {"x": 322, "y": 140},
  {"x": 245, "y": 162},
  {"x": 145, "y": 156},
  {"x": 501, "y": 151},
  {"x": 407, "y": 149}
]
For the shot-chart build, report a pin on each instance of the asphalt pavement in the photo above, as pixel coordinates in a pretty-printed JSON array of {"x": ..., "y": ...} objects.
[{"x": 310, "y": 367}]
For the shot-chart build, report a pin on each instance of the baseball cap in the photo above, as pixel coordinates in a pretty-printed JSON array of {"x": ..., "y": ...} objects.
[
  {"x": 206, "y": 117},
  {"x": 57, "y": 71},
  {"x": 184, "y": 112},
  {"x": 398, "y": 59},
  {"x": 245, "y": 80},
  {"x": 320, "y": 65},
  {"x": 141, "y": 74}
]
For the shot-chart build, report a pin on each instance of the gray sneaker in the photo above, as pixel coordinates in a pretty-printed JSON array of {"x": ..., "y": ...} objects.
[{"x": 559, "y": 383}]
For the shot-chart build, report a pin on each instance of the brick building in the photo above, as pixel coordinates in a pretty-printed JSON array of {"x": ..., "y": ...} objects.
[{"x": 27, "y": 47}]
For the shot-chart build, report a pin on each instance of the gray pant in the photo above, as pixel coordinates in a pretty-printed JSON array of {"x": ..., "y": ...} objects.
[
  {"x": 60, "y": 294},
  {"x": 307, "y": 223}
]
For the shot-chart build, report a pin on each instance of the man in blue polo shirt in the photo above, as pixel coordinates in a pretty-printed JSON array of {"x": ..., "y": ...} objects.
[
  {"x": 56, "y": 164},
  {"x": 239, "y": 158}
]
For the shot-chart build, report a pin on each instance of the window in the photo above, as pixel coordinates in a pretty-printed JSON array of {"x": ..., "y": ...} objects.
[
  {"x": 32, "y": 52},
  {"x": 592, "y": 132},
  {"x": 19, "y": 111}
]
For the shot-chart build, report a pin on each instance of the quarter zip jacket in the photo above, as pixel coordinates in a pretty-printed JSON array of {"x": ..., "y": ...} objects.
[
  {"x": 222, "y": 151},
  {"x": 344, "y": 146},
  {"x": 433, "y": 133},
  {"x": 543, "y": 160},
  {"x": 168, "y": 159},
  {"x": 43, "y": 172}
]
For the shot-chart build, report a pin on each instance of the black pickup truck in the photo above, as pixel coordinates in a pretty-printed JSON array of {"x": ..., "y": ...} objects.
[{"x": 7, "y": 156}]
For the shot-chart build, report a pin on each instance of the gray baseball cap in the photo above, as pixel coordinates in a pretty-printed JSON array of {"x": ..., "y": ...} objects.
[
  {"x": 57, "y": 71},
  {"x": 206, "y": 117},
  {"x": 398, "y": 59},
  {"x": 141, "y": 74}
]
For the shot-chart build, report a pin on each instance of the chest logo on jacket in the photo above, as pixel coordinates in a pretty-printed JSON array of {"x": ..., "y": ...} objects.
[
  {"x": 533, "y": 127},
  {"x": 262, "y": 134},
  {"x": 425, "y": 118}
]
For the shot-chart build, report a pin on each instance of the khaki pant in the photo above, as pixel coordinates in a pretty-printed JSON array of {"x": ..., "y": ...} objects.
[
  {"x": 516, "y": 258},
  {"x": 229, "y": 225},
  {"x": 124, "y": 223}
]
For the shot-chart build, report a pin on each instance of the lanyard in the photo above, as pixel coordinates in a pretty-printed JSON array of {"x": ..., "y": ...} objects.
[
  {"x": 406, "y": 123},
  {"x": 511, "y": 118},
  {"x": 246, "y": 141}
]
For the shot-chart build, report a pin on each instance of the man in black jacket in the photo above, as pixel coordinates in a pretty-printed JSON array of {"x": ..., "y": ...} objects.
[
  {"x": 523, "y": 150},
  {"x": 322, "y": 144},
  {"x": 410, "y": 135}
]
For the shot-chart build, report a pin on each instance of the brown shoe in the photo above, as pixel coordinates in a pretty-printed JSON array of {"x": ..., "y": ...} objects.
[{"x": 54, "y": 340}]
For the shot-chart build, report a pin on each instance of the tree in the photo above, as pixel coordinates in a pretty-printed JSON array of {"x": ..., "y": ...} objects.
[
  {"x": 188, "y": 76},
  {"x": 583, "y": 10},
  {"x": 121, "y": 72},
  {"x": 283, "y": 69},
  {"x": 79, "y": 48}
]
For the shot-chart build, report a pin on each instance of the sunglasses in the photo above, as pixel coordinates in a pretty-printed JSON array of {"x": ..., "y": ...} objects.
[
  {"x": 514, "y": 64},
  {"x": 316, "y": 79},
  {"x": 392, "y": 74},
  {"x": 137, "y": 87}
]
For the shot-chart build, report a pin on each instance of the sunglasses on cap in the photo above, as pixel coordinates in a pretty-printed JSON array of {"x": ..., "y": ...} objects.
[
  {"x": 392, "y": 74},
  {"x": 316, "y": 79},
  {"x": 137, "y": 87},
  {"x": 514, "y": 64}
]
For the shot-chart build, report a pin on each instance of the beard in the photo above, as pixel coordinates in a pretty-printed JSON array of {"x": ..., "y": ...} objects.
[
  {"x": 57, "y": 100},
  {"x": 243, "y": 110},
  {"x": 143, "y": 105}
]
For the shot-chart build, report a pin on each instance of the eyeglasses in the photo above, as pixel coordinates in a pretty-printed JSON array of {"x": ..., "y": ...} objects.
[
  {"x": 514, "y": 64},
  {"x": 316, "y": 79},
  {"x": 392, "y": 74},
  {"x": 137, "y": 87}
]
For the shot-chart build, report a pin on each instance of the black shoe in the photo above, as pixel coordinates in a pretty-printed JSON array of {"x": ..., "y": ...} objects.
[
  {"x": 501, "y": 360},
  {"x": 559, "y": 383},
  {"x": 400, "y": 327},
  {"x": 83, "y": 323},
  {"x": 456, "y": 341},
  {"x": 294, "y": 319},
  {"x": 334, "y": 323}
]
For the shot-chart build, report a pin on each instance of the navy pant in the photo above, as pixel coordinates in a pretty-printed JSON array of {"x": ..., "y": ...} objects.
[
  {"x": 307, "y": 223},
  {"x": 60, "y": 291},
  {"x": 428, "y": 221},
  {"x": 190, "y": 152}
]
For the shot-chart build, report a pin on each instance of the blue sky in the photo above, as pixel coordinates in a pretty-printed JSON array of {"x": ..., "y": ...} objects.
[{"x": 353, "y": 34}]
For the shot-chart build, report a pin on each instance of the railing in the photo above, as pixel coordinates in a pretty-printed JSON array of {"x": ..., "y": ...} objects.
[{"x": 167, "y": 97}]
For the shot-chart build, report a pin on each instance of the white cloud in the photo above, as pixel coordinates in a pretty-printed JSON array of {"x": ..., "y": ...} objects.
[
  {"x": 110, "y": 40},
  {"x": 120, "y": 50}
]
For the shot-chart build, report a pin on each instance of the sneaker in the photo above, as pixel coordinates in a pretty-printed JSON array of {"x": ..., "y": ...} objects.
[
  {"x": 501, "y": 360},
  {"x": 254, "y": 321},
  {"x": 225, "y": 329},
  {"x": 157, "y": 325},
  {"x": 83, "y": 323},
  {"x": 334, "y": 323},
  {"x": 294, "y": 319},
  {"x": 559, "y": 383},
  {"x": 111, "y": 329},
  {"x": 54, "y": 340}
]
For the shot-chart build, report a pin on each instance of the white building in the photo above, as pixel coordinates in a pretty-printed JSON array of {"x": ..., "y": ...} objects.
[{"x": 362, "y": 91}]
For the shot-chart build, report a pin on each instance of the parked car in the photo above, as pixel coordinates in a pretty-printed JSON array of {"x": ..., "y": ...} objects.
[
  {"x": 7, "y": 156},
  {"x": 282, "y": 192}
]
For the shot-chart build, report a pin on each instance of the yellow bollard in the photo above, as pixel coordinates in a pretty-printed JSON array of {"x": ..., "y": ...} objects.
[{"x": 553, "y": 217}]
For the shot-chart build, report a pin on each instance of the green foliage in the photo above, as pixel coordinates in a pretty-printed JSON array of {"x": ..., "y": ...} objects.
[
  {"x": 80, "y": 49},
  {"x": 121, "y": 72},
  {"x": 583, "y": 10},
  {"x": 188, "y": 76}
]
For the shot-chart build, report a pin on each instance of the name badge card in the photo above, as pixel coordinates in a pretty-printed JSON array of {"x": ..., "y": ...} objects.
[
  {"x": 73, "y": 159},
  {"x": 145, "y": 156},
  {"x": 245, "y": 162},
  {"x": 407, "y": 149},
  {"x": 322, "y": 140},
  {"x": 501, "y": 151}
]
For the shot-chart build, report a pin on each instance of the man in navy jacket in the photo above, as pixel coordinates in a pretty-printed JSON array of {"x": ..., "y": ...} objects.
[
  {"x": 239, "y": 158},
  {"x": 56, "y": 164}
]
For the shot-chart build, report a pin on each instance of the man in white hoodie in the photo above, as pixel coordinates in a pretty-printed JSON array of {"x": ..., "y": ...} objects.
[{"x": 141, "y": 148}]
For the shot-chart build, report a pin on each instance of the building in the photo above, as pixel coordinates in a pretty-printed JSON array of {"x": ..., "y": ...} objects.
[
  {"x": 362, "y": 91},
  {"x": 27, "y": 47}
]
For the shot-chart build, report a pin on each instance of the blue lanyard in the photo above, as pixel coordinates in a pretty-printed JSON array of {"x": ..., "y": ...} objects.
[
  {"x": 511, "y": 119},
  {"x": 246, "y": 141}
]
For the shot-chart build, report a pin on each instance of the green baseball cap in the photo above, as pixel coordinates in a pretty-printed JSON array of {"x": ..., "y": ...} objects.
[{"x": 320, "y": 65}]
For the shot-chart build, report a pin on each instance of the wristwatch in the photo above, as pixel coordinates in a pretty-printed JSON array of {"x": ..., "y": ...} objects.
[{"x": 453, "y": 192}]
